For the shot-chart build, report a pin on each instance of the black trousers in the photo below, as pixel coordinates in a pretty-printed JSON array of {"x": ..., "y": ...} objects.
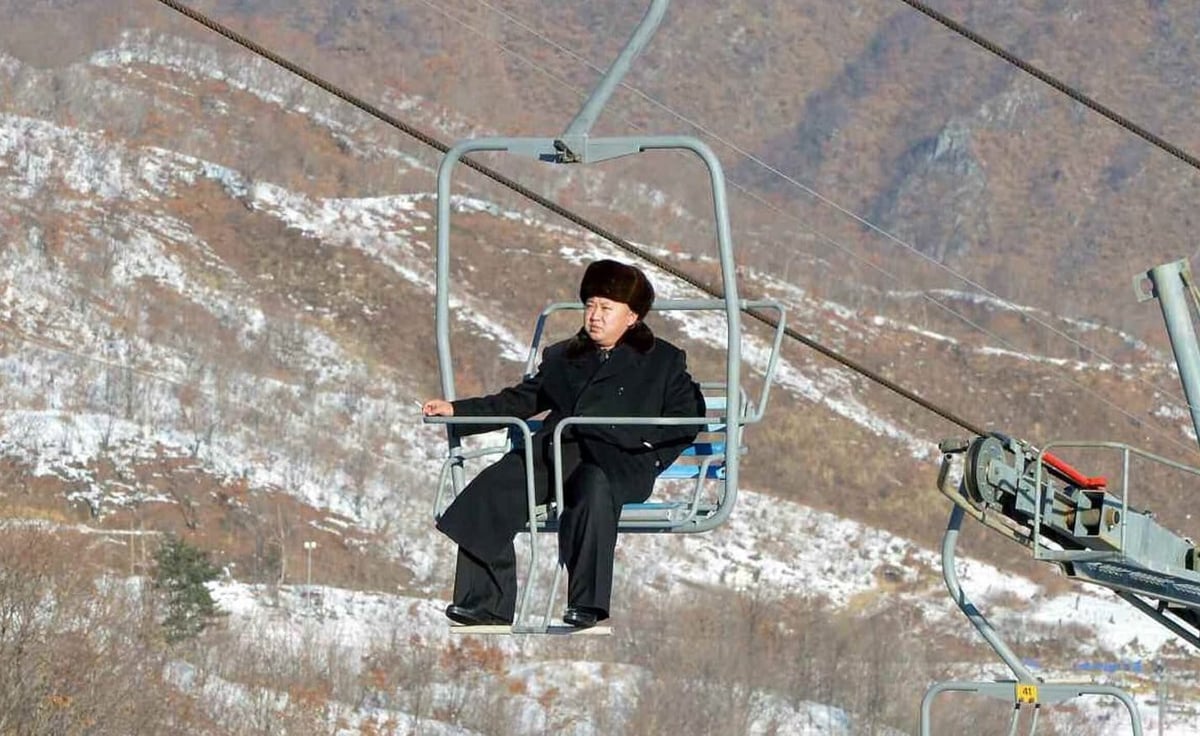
[{"x": 486, "y": 516}]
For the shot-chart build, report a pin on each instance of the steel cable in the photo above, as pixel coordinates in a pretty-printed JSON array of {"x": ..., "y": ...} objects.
[{"x": 1064, "y": 88}]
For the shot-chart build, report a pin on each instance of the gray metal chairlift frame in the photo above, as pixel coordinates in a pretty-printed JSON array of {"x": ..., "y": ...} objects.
[
  {"x": 577, "y": 146},
  {"x": 1126, "y": 550},
  {"x": 686, "y": 516},
  {"x": 652, "y": 517},
  {"x": 1026, "y": 689}
]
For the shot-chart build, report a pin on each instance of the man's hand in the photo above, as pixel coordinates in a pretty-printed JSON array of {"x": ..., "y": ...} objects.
[{"x": 437, "y": 408}]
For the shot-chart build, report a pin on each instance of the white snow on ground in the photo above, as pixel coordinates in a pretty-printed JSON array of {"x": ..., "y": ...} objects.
[{"x": 768, "y": 543}]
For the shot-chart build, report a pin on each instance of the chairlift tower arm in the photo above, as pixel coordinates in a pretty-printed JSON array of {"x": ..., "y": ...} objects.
[{"x": 1171, "y": 283}]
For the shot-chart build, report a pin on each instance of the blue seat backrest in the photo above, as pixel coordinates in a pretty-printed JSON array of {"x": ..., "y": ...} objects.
[{"x": 709, "y": 445}]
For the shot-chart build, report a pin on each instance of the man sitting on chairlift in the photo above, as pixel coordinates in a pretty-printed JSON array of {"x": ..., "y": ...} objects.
[{"x": 614, "y": 366}]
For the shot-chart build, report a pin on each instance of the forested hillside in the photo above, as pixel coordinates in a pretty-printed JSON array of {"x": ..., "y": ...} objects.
[{"x": 216, "y": 316}]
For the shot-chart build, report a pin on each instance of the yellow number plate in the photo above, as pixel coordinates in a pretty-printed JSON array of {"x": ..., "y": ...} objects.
[{"x": 1026, "y": 693}]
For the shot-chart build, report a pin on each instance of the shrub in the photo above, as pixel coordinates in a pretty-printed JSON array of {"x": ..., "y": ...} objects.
[{"x": 183, "y": 571}]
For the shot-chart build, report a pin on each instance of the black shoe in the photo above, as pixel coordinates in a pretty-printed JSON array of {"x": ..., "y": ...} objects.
[
  {"x": 474, "y": 616},
  {"x": 582, "y": 617}
]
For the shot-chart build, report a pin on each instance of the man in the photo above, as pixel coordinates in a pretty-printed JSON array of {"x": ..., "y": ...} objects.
[{"x": 614, "y": 366}]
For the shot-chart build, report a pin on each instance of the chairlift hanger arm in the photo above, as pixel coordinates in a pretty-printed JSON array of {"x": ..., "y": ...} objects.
[
  {"x": 1026, "y": 689},
  {"x": 586, "y": 117}
]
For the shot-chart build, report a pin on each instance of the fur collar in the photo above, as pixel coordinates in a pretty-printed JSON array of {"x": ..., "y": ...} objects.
[{"x": 639, "y": 337}]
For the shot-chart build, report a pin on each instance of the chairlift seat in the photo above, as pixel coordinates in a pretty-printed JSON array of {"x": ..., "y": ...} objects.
[
  {"x": 702, "y": 461},
  {"x": 703, "y": 477}
]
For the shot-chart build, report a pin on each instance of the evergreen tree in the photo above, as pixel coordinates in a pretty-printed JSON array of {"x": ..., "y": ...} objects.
[{"x": 182, "y": 573}]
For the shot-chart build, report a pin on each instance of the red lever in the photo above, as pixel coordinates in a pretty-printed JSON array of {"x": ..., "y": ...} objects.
[{"x": 1071, "y": 475}]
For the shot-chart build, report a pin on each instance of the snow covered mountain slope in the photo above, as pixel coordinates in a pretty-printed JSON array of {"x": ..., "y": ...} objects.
[{"x": 215, "y": 318}]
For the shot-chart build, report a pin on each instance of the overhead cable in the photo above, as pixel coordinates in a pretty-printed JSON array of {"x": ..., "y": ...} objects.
[{"x": 1063, "y": 87}]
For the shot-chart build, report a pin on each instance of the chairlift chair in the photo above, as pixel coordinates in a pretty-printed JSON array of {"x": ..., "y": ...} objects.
[{"x": 709, "y": 461}]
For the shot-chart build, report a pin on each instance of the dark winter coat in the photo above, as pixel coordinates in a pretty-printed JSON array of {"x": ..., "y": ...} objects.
[{"x": 644, "y": 376}]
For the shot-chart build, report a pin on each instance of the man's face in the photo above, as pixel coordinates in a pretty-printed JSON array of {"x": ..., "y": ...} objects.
[{"x": 606, "y": 320}]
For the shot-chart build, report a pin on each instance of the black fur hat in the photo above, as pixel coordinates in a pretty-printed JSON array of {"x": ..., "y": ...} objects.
[{"x": 619, "y": 282}]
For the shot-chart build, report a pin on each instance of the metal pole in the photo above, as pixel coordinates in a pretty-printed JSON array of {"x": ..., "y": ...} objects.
[
  {"x": 977, "y": 619},
  {"x": 1169, "y": 282},
  {"x": 587, "y": 115},
  {"x": 1162, "y": 694},
  {"x": 308, "y": 548}
]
